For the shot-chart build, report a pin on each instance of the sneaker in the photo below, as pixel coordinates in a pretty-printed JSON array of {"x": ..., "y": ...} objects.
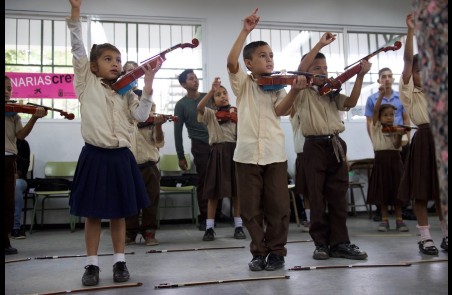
[
  {"x": 257, "y": 263},
  {"x": 209, "y": 235},
  {"x": 383, "y": 226},
  {"x": 10, "y": 251},
  {"x": 428, "y": 250},
  {"x": 321, "y": 252},
  {"x": 18, "y": 234},
  {"x": 149, "y": 238},
  {"x": 274, "y": 262},
  {"x": 306, "y": 226},
  {"x": 347, "y": 250},
  {"x": 239, "y": 234},
  {"x": 401, "y": 226},
  {"x": 120, "y": 272},
  {"x": 202, "y": 225},
  {"x": 130, "y": 239},
  {"x": 445, "y": 244},
  {"x": 91, "y": 275}
]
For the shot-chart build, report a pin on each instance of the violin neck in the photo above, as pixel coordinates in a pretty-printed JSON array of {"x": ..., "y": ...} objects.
[{"x": 349, "y": 74}]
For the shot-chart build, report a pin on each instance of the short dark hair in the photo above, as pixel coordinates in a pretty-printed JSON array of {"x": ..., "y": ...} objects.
[
  {"x": 7, "y": 78},
  {"x": 319, "y": 55},
  {"x": 98, "y": 49},
  {"x": 383, "y": 70},
  {"x": 384, "y": 107},
  {"x": 183, "y": 76},
  {"x": 250, "y": 48}
]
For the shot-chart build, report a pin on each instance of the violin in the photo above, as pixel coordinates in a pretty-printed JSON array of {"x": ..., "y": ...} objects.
[
  {"x": 150, "y": 120},
  {"x": 277, "y": 81},
  {"x": 225, "y": 116},
  {"x": 126, "y": 82},
  {"x": 66, "y": 115},
  {"x": 336, "y": 83},
  {"x": 397, "y": 128}
]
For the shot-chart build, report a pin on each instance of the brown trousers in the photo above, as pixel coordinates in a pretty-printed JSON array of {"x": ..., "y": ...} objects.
[
  {"x": 9, "y": 202},
  {"x": 264, "y": 206},
  {"x": 151, "y": 178},
  {"x": 200, "y": 151},
  {"x": 326, "y": 185}
]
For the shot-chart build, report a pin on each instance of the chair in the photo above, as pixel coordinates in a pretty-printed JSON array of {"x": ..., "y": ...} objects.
[
  {"x": 169, "y": 165},
  {"x": 366, "y": 164},
  {"x": 29, "y": 194},
  {"x": 55, "y": 170}
]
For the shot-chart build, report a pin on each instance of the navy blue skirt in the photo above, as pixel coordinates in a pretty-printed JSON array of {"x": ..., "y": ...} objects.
[{"x": 107, "y": 184}]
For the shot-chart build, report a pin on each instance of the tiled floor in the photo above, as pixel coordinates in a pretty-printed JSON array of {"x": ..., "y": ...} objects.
[{"x": 202, "y": 271}]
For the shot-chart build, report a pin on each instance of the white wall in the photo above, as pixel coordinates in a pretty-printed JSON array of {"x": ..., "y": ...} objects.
[{"x": 54, "y": 140}]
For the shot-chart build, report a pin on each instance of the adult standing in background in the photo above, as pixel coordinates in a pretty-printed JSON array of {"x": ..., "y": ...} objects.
[
  {"x": 186, "y": 109},
  {"x": 431, "y": 30}
]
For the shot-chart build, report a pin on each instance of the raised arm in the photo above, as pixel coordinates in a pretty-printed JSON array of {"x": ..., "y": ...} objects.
[
  {"x": 356, "y": 91},
  {"x": 249, "y": 23},
  {"x": 408, "y": 52},
  {"x": 202, "y": 104},
  {"x": 381, "y": 94},
  {"x": 75, "y": 9},
  {"x": 306, "y": 62}
]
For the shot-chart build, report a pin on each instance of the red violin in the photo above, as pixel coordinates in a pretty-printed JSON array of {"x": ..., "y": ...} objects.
[
  {"x": 125, "y": 82},
  {"x": 151, "y": 119},
  {"x": 397, "y": 128},
  {"x": 225, "y": 115},
  {"x": 276, "y": 81},
  {"x": 30, "y": 108},
  {"x": 336, "y": 83}
]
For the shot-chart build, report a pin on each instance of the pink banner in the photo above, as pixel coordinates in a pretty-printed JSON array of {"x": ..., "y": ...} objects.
[{"x": 42, "y": 85}]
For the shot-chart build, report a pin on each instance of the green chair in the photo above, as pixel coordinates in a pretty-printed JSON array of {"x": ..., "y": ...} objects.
[
  {"x": 55, "y": 170},
  {"x": 169, "y": 165}
]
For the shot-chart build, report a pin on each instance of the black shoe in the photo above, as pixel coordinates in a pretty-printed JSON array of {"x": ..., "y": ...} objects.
[
  {"x": 202, "y": 225},
  {"x": 257, "y": 263},
  {"x": 239, "y": 234},
  {"x": 321, "y": 252},
  {"x": 274, "y": 262},
  {"x": 209, "y": 235},
  {"x": 120, "y": 272},
  {"x": 10, "y": 250},
  {"x": 18, "y": 234},
  {"x": 428, "y": 250},
  {"x": 445, "y": 244},
  {"x": 349, "y": 251},
  {"x": 91, "y": 275}
]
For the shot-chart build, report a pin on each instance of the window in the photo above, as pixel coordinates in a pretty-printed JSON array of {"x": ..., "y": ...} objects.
[
  {"x": 43, "y": 46},
  {"x": 289, "y": 45}
]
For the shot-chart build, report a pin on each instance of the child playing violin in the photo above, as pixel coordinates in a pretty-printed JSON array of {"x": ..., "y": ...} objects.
[
  {"x": 107, "y": 183},
  {"x": 387, "y": 170},
  {"x": 420, "y": 176},
  {"x": 324, "y": 156},
  {"x": 260, "y": 157},
  {"x": 220, "y": 180}
]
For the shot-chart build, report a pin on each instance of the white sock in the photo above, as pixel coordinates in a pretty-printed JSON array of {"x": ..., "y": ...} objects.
[
  {"x": 238, "y": 221},
  {"x": 308, "y": 214},
  {"x": 119, "y": 257},
  {"x": 444, "y": 228},
  {"x": 92, "y": 260},
  {"x": 425, "y": 234},
  {"x": 210, "y": 223}
]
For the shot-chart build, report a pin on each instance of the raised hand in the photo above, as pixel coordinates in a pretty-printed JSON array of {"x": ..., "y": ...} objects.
[
  {"x": 327, "y": 38},
  {"x": 251, "y": 21}
]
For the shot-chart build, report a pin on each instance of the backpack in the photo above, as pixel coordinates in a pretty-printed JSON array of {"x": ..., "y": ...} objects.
[{"x": 50, "y": 184}]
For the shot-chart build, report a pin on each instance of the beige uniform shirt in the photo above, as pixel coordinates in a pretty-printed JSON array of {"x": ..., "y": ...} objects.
[
  {"x": 298, "y": 138},
  {"x": 146, "y": 147},
  {"x": 107, "y": 118},
  {"x": 320, "y": 114},
  {"x": 12, "y": 125},
  {"x": 382, "y": 141},
  {"x": 225, "y": 132},
  {"x": 414, "y": 102},
  {"x": 260, "y": 138}
]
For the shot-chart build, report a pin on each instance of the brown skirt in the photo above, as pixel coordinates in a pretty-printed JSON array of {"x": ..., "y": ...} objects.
[
  {"x": 420, "y": 175},
  {"x": 385, "y": 178},
  {"x": 220, "y": 179}
]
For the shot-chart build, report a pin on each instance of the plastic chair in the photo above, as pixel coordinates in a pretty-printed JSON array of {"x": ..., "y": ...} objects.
[
  {"x": 292, "y": 195},
  {"x": 29, "y": 194},
  {"x": 169, "y": 165},
  {"x": 55, "y": 170},
  {"x": 366, "y": 164}
]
